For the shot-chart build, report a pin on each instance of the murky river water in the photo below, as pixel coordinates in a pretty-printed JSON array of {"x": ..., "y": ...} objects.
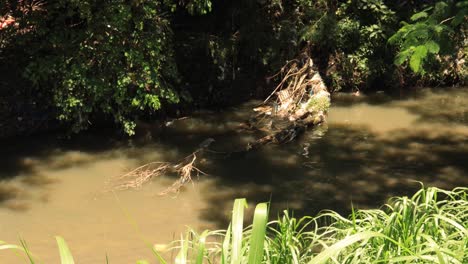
[{"x": 370, "y": 149}]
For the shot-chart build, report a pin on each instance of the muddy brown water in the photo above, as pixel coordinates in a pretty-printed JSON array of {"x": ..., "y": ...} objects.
[{"x": 370, "y": 149}]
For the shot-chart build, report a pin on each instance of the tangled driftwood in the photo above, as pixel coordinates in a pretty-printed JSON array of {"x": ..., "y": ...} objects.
[
  {"x": 299, "y": 88},
  {"x": 301, "y": 97},
  {"x": 185, "y": 169}
]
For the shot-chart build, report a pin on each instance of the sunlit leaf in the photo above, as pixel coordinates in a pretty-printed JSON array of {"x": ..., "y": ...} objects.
[
  {"x": 328, "y": 253},
  {"x": 402, "y": 57},
  {"x": 258, "y": 234},
  {"x": 419, "y": 15},
  {"x": 237, "y": 229},
  {"x": 432, "y": 47},
  {"x": 419, "y": 54},
  {"x": 65, "y": 254}
]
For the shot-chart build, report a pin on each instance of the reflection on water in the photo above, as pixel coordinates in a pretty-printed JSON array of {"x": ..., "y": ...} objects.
[{"x": 369, "y": 150}]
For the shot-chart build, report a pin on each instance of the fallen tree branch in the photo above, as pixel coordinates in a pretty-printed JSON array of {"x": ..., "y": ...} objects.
[{"x": 185, "y": 169}]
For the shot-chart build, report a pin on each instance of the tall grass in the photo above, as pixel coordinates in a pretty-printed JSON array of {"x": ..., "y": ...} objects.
[{"x": 429, "y": 227}]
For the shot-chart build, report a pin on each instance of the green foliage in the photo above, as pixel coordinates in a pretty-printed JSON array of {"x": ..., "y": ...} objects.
[
  {"x": 239, "y": 245},
  {"x": 352, "y": 37},
  {"x": 257, "y": 238},
  {"x": 124, "y": 60},
  {"x": 428, "y": 34},
  {"x": 199, "y": 7},
  {"x": 429, "y": 227},
  {"x": 288, "y": 239},
  {"x": 111, "y": 58},
  {"x": 363, "y": 28}
]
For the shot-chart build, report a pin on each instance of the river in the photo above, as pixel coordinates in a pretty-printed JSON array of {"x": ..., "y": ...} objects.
[{"x": 371, "y": 148}]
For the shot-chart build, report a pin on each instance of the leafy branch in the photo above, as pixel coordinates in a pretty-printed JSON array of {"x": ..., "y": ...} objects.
[{"x": 426, "y": 34}]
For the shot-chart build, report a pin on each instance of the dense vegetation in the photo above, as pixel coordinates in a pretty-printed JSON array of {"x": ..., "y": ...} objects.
[
  {"x": 87, "y": 61},
  {"x": 430, "y": 227}
]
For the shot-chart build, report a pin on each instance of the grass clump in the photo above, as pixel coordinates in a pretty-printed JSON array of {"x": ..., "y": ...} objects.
[{"x": 430, "y": 227}]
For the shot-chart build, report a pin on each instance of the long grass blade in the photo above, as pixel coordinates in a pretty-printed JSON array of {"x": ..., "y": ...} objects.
[
  {"x": 226, "y": 243},
  {"x": 237, "y": 230},
  {"x": 340, "y": 245},
  {"x": 201, "y": 247},
  {"x": 453, "y": 223},
  {"x": 26, "y": 250},
  {"x": 258, "y": 234},
  {"x": 65, "y": 254},
  {"x": 181, "y": 257},
  {"x": 4, "y": 246}
]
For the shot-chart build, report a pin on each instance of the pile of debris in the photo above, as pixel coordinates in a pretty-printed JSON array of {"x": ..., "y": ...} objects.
[
  {"x": 301, "y": 97},
  {"x": 301, "y": 93}
]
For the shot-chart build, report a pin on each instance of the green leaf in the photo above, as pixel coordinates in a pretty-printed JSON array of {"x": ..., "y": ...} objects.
[
  {"x": 419, "y": 15},
  {"x": 201, "y": 247},
  {"x": 432, "y": 47},
  {"x": 181, "y": 257},
  {"x": 402, "y": 57},
  {"x": 65, "y": 254},
  {"x": 419, "y": 54},
  {"x": 459, "y": 17},
  {"x": 258, "y": 233},
  {"x": 237, "y": 229},
  {"x": 340, "y": 245},
  {"x": 4, "y": 245},
  {"x": 227, "y": 239}
]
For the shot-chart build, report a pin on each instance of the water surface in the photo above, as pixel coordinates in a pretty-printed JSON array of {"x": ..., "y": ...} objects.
[{"x": 370, "y": 149}]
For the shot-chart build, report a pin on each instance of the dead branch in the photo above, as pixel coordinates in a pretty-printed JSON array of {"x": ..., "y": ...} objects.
[
  {"x": 137, "y": 177},
  {"x": 185, "y": 173},
  {"x": 185, "y": 169}
]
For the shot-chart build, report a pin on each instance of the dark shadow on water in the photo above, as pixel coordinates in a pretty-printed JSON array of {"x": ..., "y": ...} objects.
[
  {"x": 20, "y": 157},
  {"x": 347, "y": 165}
]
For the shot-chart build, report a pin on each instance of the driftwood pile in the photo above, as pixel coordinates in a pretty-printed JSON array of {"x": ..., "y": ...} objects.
[
  {"x": 301, "y": 97},
  {"x": 300, "y": 100}
]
